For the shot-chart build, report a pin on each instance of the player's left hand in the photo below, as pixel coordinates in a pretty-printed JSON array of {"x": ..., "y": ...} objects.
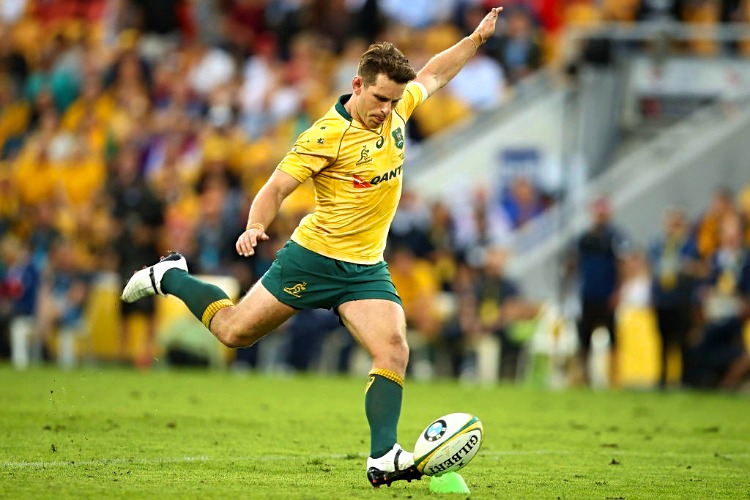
[
  {"x": 248, "y": 240},
  {"x": 486, "y": 27}
]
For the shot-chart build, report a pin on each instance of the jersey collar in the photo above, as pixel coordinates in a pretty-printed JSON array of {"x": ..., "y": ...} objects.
[{"x": 340, "y": 106}]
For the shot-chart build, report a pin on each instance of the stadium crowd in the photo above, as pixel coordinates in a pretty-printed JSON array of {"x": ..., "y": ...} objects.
[{"x": 130, "y": 127}]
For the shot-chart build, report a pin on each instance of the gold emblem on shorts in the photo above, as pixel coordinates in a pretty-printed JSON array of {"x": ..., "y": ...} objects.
[{"x": 297, "y": 289}]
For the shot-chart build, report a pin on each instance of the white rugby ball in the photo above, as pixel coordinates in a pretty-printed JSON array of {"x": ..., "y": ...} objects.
[{"x": 448, "y": 444}]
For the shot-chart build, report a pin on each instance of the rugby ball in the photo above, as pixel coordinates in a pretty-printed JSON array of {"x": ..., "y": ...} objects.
[{"x": 448, "y": 444}]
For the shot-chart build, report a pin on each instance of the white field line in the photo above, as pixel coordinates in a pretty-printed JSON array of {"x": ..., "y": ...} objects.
[
  {"x": 256, "y": 458},
  {"x": 276, "y": 458}
]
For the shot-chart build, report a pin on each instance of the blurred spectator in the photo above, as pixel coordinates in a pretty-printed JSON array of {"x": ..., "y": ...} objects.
[
  {"x": 659, "y": 10},
  {"x": 207, "y": 18},
  {"x": 162, "y": 22},
  {"x": 129, "y": 81},
  {"x": 62, "y": 301},
  {"x": 172, "y": 153},
  {"x": 11, "y": 11},
  {"x": 9, "y": 202},
  {"x": 161, "y": 17},
  {"x": 582, "y": 13},
  {"x": 418, "y": 14},
  {"x": 43, "y": 232},
  {"x": 309, "y": 57},
  {"x": 219, "y": 223},
  {"x": 81, "y": 176},
  {"x": 522, "y": 202},
  {"x": 15, "y": 115},
  {"x": 517, "y": 48},
  {"x": 623, "y": 11},
  {"x": 676, "y": 269},
  {"x": 138, "y": 216},
  {"x": 703, "y": 13},
  {"x": 726, "y": 305},
  {"x": 12, "y": 61},
  {"x": 596, "y": 263},
  {"x": 333, "y": 20},
  {"x": 245, "y": 21},
  {"x": 415, "y": 281},
  {"x": 482, "y": 223},
  {"x": 35, "y": 171},
  {"x": 261, "y": 95},
  {"x": 92, "y": 104},
  {"x": 19, "y": 287},
  {"x": 635, "y": 287},
  {"x": 411, "y": 224},
  {"x": 731, "y": 11},
  {"x": 708, "y": 226},
  {"x": 307, "y": 333},
  {"x": 499, "y": 307},
  {"x": 46, "y": 76},
  {"x": 441, "y": 235},
  {"x": 438, "y": 113},
  {"x": 459, "y": 327},
  {"x": 417, "y": 287},
  {"x": 346, "y": 65},
  {"x": 128, "y": 68},
  {"x": 480, "y": 84},
  {"x": 173, "y": 96},
  {"x": 210, "y": 68},
  {"x": 743, "y": 206}
]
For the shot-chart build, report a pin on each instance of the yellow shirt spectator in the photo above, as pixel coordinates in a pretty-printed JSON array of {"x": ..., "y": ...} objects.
[
  {"x": 417, "y": 285},
  {"x": 14, "y": 120},
  {"x": 81, "y": 177},
  {"x": 102, "y": 108},
  {"x": 36, "y": 176}
]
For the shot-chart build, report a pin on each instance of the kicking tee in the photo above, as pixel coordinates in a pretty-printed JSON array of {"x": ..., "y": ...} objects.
[{"x": 357, "y": 176}]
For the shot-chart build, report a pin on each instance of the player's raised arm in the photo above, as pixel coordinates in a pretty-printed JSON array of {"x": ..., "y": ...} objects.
[
  {"x": 263, "y": 210},
  {"x": 444, "y": 66}
]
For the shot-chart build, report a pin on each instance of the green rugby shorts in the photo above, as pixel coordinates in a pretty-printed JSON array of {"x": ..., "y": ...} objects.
[{"x": 304, "y": 279}]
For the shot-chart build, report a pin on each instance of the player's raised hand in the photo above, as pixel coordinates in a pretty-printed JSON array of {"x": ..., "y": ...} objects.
[
  {"x": 486, "y": 27},
  {"x": 248, "y": 240}
]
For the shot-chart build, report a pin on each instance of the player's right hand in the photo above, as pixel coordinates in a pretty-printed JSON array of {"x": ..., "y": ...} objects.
[{"x": 248, "y": 240}]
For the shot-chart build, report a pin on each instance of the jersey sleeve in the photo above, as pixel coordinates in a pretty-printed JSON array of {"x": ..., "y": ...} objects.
[
  {"x": 414, "y": 95},
  {"x": 313, "y": 151}
]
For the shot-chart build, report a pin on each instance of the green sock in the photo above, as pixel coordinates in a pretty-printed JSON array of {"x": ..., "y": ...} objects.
[
  {"x": 203, "y": 299},
  {"x": 383, "y": 409}
]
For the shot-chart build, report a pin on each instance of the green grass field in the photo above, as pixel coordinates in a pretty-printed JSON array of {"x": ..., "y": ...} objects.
[{"x": 168, "y": 434}]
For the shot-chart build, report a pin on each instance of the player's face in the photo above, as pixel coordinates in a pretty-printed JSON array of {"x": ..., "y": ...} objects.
[{"x": 375, "y": 102}]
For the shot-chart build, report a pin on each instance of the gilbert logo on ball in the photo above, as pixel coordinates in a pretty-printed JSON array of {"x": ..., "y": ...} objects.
[{"x": 448, "y": 444}]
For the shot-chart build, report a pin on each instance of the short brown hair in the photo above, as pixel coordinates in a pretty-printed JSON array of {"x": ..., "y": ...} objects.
[{"x": 384, "y": 58}]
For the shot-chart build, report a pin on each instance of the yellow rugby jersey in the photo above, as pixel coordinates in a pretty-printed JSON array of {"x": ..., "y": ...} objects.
[{"x": 357, "y": 175}]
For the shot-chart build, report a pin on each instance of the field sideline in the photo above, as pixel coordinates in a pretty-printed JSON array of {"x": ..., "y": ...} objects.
[{"x": 175, "y": 434}]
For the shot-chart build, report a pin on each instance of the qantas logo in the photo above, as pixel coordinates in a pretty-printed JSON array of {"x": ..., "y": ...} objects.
[{"x": 359, "y": 183}]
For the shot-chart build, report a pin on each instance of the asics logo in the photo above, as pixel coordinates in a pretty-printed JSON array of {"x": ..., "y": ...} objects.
[{"x": 297, "y": 289}]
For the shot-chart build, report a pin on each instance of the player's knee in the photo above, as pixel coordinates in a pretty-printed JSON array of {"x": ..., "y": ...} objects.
[
  {"x": 233, "y": 334},
  {"x": 233, "y": 340},
  {"x": 239, "y": 337},
  {"x": 395, "y": 353}
]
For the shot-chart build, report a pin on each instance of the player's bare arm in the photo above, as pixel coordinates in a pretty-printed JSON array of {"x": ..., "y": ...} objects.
[
  {"x": 444, "y": 66},
  {"x": 263, "y": 210}
]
